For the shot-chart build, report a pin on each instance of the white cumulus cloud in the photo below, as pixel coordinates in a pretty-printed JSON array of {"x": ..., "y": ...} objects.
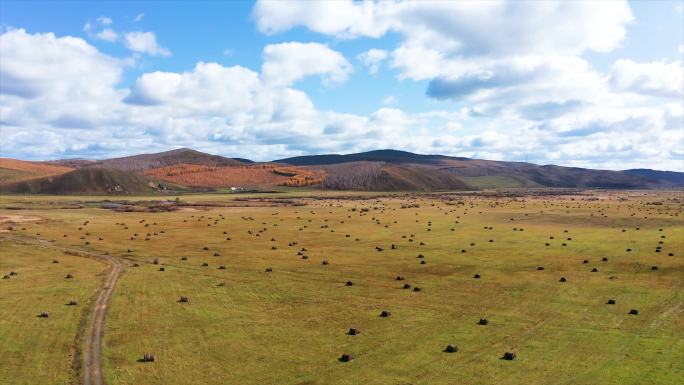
[
  {"x": 286, "y": 63},
  {"x": 145, "y": 42},
  {"x": 372, "y": 59}
]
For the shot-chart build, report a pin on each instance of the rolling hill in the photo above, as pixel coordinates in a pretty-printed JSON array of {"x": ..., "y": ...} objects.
[
  {"x": 13, "y": 170},
  {"x": 90, "y": 180},
  {"x": 471, "y": 173},
  {"x": 381, "y": 170},
  {"x": 161, "y": 159}
]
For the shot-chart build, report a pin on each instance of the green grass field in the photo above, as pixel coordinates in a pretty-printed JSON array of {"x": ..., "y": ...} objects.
[{"x": 289, "y": 326}]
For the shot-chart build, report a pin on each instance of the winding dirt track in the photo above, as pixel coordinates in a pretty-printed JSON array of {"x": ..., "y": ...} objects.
[{"x": 92, "y": 353}]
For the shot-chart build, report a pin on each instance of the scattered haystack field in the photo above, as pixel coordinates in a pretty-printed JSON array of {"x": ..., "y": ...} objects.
[
  {"x": 317, "y": 294},
  {"x": 35, "y": 349}
]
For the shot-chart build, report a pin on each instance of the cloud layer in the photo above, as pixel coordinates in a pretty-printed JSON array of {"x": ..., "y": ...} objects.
[{"x": 511, "y": 77}]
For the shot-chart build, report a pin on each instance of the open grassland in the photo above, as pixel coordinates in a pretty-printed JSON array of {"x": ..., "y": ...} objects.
[
  {"x": 245, "y": 325},
  {"x": 36, "y": 350}
]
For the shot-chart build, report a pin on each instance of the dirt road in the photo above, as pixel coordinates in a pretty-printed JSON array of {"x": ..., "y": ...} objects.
[{"x": 92, "y": 352}]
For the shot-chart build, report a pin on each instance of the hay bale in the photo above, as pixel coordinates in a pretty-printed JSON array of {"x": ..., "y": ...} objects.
[
  {"x": 510, "y": 356},
  {"x": 346, "y": 357},
  {"x": 451, "y": 349}
]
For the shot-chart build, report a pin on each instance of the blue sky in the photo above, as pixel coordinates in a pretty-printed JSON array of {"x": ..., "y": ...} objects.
[{"x": 571, "y": 83}]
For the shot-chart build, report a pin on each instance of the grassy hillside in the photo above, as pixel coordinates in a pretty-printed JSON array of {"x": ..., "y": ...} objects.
[
  {"x": 89, "y": 180},
  {"x": 167, "y": 158},
  {"x": 521, "y": 174},
  {"x": 13, "y": 170}
]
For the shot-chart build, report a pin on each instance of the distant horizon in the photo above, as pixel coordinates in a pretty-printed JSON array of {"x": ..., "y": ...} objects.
[
  {"x": 595, "y": 85},
  {"x": 326, "y": 154}
]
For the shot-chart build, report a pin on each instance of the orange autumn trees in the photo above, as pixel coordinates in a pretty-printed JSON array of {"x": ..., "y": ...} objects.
[{"x": 257, "y": 175}]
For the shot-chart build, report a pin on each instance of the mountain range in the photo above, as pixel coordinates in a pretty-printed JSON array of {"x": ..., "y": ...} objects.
[{"x": 381, "y": 170}]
